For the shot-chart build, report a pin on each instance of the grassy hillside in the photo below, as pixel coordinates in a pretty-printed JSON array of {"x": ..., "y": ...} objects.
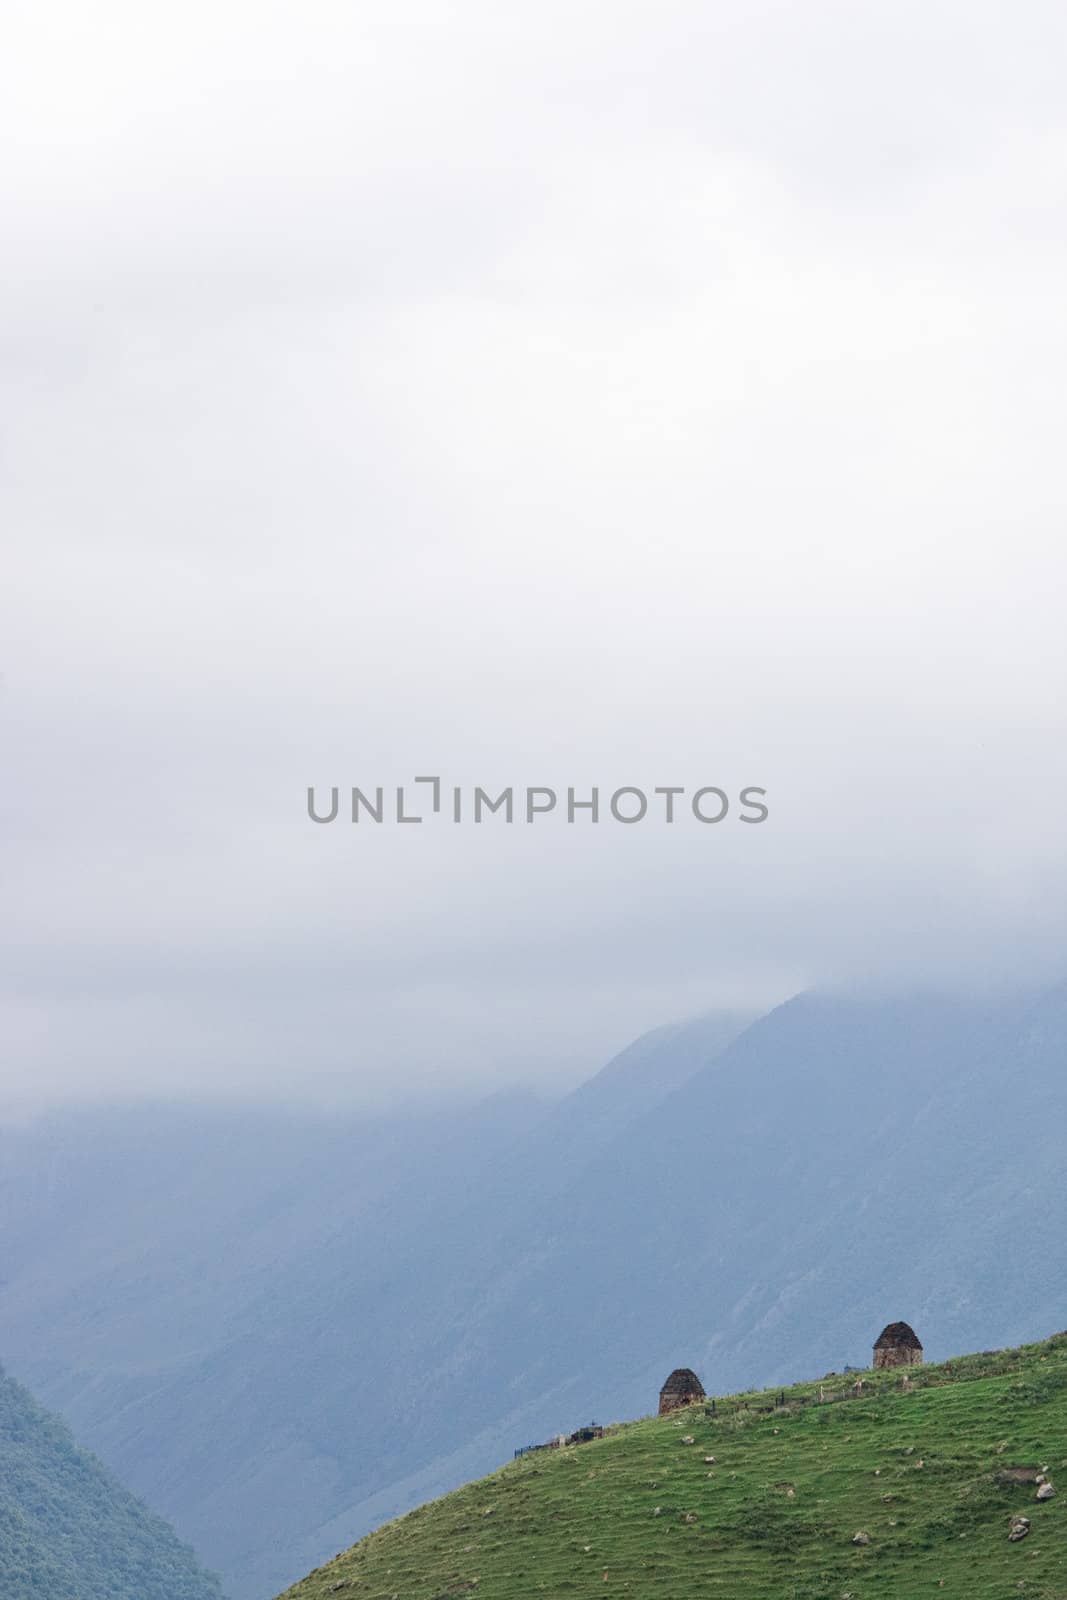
[
  {"x": 69, "y": 1531},
  {"x": 921, "y": 1471}
]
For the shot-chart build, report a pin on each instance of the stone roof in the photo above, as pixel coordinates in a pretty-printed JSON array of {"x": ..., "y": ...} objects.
[
  {"x": 897, "y": 1336},
  {"x": 683, "y": 1380}
]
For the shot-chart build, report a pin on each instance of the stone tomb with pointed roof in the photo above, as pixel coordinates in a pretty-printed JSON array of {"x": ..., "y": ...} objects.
[
  {"x": 897, "y": 1346},
  {"x": 682, "y": 1388}
]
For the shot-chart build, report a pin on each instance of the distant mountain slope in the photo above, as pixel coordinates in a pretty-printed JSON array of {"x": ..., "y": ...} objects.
[
  {"x": 228, "y": 1303},
  {"x": 69, "y": 1531},
  {"x": 281, "y": 1334},
  {"x": 841, "y": 1150},
  {"x": 812, "y": 1493}
]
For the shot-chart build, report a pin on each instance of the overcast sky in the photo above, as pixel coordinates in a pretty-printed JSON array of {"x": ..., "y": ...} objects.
[{"x": 555, "y": 394}]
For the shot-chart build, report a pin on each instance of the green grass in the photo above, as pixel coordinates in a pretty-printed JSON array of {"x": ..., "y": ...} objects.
[{"x": 918, "y": 1470}]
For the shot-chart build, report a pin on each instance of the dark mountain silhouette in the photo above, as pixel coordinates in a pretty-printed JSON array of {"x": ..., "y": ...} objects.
[{"x": 69, "y": 1530}]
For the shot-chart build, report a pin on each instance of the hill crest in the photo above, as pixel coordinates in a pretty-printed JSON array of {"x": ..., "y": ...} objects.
[{"x": 881, "y": 1485}]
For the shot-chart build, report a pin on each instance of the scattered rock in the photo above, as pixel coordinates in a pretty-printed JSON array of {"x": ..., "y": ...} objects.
[
  {"x": 687, "y": 1438},
  {"x": 658, "y": 1512},
  {"x": 690, "y": 1516},
  {"x": 861, "y": 1537},
  {"x": 708, "y": 1460},
  {"x": 1046, "y": 1491},
  {"x": 1018, "y": 1529}
]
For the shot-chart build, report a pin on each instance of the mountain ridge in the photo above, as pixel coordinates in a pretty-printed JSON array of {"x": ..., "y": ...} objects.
[{"x": 367, "y": 1316}]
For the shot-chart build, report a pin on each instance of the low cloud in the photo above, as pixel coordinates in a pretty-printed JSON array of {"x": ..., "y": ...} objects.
[{"x": 596, "y": 397}]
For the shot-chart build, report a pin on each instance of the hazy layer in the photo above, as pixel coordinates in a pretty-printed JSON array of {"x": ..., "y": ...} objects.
[{"x": 562, "y": 395}]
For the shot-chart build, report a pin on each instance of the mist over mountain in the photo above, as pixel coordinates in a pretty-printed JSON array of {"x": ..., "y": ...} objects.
[
  {"x": 282, "y": 1329},
  {"x": 613, "y": 449}
]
